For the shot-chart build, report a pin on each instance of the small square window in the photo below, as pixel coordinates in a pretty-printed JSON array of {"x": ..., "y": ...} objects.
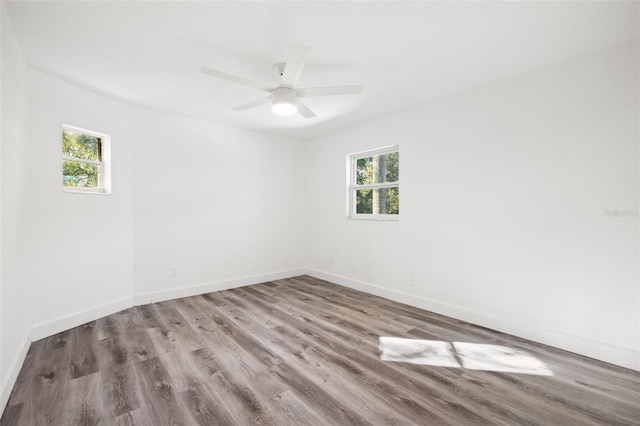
[
  {"x": 374, "y": 184},
  {"x": 85, "y": 161}
]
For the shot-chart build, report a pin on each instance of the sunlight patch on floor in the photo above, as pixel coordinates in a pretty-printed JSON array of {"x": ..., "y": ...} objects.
[{"x": 472, "y": 356}]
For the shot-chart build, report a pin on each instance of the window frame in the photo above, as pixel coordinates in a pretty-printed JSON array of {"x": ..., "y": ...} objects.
[
  {"x": 353, "y": 187},
  {"x": 104, "y": 163}
]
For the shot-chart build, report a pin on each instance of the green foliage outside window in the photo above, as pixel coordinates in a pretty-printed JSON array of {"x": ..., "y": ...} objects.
[
  {"x": 378, "y": 169},
  {"x": 77, "y": 147}
]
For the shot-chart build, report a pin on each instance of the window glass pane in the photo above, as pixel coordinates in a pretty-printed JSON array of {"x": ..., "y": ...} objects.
[
  {"x": 80, "y": 145},
  {"x": 378, "y": 201},
  {"x": 364, "y": 199},
  {"x": 392, "y": 200},
  {"x": 364, "y": 171},
  {"x": 378, "y": 169},
  {"x": 77, "y": 173},
  {"x": 392, "y": 163}
]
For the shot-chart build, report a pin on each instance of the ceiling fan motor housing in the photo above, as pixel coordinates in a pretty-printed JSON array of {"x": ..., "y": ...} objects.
[{"x": 283, "y": 95}]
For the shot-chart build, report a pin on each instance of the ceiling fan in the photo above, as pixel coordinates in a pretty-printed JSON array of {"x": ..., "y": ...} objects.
[{"x": 285, "y": 98}]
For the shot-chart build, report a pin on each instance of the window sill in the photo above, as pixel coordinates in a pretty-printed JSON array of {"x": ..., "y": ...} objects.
[
  {"x": 95, "y": 191},
  {"x": 377, "y": 217}
]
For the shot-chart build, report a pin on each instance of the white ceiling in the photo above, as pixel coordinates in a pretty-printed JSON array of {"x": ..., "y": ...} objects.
[{"x": 405, "y": 53}]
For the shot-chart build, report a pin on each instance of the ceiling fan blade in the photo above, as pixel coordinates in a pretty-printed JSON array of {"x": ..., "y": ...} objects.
[
  {"x": 328, "y": 91},
  {"x": 304, "y": 110},
  {"x": 235, "y": 79},
  {"x": 252, "y": 104},
  {"x": 294, "y": 65}
]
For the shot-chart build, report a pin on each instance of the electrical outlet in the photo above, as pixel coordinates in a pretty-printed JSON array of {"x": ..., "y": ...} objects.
[
  {"x": 174, "y": 271},
  {"x": 330, "y": 259},
  {"x": 412, "y": 277}
]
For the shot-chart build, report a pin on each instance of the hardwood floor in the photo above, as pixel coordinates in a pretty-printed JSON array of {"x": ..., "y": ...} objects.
[{"x": 302, "y": 351}]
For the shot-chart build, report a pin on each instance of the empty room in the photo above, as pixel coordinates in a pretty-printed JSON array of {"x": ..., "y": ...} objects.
[{"x": 320, "y": 213}]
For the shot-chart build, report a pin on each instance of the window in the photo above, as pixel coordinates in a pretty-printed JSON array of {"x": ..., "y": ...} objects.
[
  {"x": 374, "y": 189},
  {"x": 85, "y": 161}
]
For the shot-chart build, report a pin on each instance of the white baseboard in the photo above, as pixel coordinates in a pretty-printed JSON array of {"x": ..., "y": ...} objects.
[
  {"x": 75, "y": 319},
  {"x": 193, "y": 290},
  {"x": 624, "y": 357}
]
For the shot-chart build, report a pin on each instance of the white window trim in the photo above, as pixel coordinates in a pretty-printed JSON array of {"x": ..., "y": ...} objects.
[
  {"x": 351, "y": 185},
  {"x": 105, "y": 164}
]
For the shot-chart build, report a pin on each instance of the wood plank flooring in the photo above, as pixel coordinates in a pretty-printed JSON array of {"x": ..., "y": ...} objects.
[{"x": 302, "y": 351}]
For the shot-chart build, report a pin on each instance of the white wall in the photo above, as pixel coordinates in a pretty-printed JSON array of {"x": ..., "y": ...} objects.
[
  {"x": 221, "y": 204},
  {"x": 78, "y": 247},
  {"x": 503, "y": 198},
  {"x": 14, "y": 324}
]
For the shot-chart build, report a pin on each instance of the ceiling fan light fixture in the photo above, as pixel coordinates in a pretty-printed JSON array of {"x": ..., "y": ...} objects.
[
  {"x": 283, "y": 101},
  {"x": 284, "y": 107}
]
